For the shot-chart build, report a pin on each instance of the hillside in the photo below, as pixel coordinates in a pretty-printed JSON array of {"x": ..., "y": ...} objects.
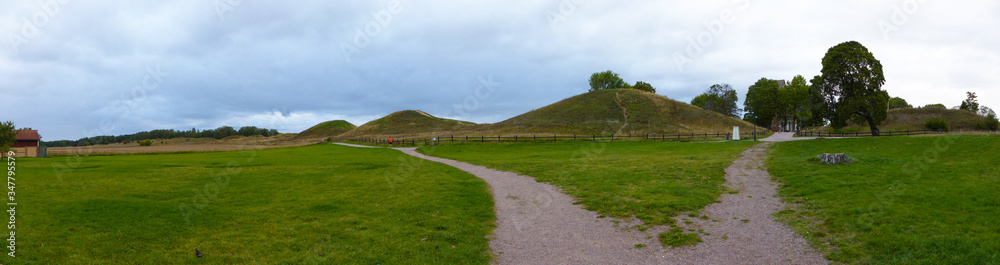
[
  {"x": 624, "y": 111},
  {"x": 915, "y": 118},
  {"x": 327, "y": 129},
  {"x": 408, "y": 123}
]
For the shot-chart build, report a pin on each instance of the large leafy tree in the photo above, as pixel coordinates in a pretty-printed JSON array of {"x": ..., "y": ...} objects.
[
  {"x": 763, "y": 102},
  {"x": 851, "y": 86},
  {"x": 719, "y": 98},
  {"x": 796, "y": 101},
  {"x": 7, "y": 135},
  {"x": 606, "y": 80},
  {"x": 898, "y": 103}
]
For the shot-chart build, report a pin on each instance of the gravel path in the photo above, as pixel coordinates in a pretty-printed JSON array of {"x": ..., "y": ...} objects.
[{"x": 537, "y": 224}]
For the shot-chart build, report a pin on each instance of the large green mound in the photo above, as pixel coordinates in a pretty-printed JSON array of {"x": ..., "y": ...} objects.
[
  {"x": 620, "y": 111},
  {"x": 914, "y": 119},
  {"x": 327, "y": 129},
  {"x": 409, "y": 123}
]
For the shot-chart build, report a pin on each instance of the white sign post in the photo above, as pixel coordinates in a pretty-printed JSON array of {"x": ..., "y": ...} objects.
[{"x": 736, "y": 133}]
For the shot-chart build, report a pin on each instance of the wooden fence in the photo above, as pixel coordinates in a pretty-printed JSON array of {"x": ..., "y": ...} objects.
[
  {"x": 555, "y": 138},
  {"x": 886, "y": 134}
]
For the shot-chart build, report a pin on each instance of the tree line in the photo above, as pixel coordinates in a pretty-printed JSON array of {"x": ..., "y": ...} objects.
[{"x": 218, "y": 133}]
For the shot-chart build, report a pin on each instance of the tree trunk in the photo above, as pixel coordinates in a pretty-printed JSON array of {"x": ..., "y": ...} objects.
[{"x": 871, "y": 124}]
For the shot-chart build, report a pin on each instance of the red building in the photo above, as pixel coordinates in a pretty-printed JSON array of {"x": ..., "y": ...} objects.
[{"x": 26, "y": 143}]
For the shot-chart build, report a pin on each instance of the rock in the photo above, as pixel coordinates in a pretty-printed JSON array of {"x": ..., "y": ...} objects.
[{"x": 834, "y": 159}]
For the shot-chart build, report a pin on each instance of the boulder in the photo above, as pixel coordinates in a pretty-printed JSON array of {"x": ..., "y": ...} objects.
[{"x": 834, "y": 159}]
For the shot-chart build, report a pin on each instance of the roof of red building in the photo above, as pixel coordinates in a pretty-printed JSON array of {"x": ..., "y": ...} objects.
[{"x": 27, "y": 135}]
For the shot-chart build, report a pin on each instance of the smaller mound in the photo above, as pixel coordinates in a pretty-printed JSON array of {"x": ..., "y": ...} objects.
[
  {"x": 914, "y": 119},
  {"x": 327, "y": 129},
  {"x": 410, "y": 123}
]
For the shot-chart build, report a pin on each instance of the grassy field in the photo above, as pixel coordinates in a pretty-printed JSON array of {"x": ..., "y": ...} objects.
[
  {"x": 915, "y": 119},
  {"x": 648, "y": 180},
  {"x": 904, "y": 200},
  {"x": 304, "y": 205}
]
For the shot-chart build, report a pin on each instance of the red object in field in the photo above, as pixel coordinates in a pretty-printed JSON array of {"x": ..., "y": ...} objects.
[{"x": 26, "y": 144}]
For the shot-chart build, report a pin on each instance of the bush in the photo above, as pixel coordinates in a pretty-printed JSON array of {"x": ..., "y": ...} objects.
[
  {"x": 147, "y": 142},
  {"x": 990, "y": 124},
  {"x": 938, "y": 124}
]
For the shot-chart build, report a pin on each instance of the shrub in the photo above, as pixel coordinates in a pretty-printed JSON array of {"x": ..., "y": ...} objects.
[
  {"x": 147, "y": 142},
  {"x": 937, "y": 124},
  {"x": 990, "y": 124}
]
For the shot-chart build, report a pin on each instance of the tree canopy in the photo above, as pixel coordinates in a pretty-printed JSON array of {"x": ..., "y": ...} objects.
[
  {"x": 851, "y": 86},
  {"x": 898, "y": 103},
  {"x": 719, "y": 98},
  {"x": 606, "y": 80},
  {"x": 762, "y": 103},
  {"x": 970, "y": 103},
  {"x": 644, "y": 87},
  {"x": 7, "y": 135}
]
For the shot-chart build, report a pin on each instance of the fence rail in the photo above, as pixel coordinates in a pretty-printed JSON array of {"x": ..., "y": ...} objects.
[
  {"x": 883, "y": 134},
  {"x": 865, "y": 134},
  {"x": 554, "y": 138}
]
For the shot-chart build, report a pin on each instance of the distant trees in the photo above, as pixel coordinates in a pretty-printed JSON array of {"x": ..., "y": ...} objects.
[
  {"x": 719, "y": 98},
  {"x": 898, "y": 103},
  {"x": 851, "y": 87},
  {"x": 606, "y": 80},
  {"x": 7, "y": 135},
  {"x": 939, "y": 105},
  {"x": 218, "y": 133}
]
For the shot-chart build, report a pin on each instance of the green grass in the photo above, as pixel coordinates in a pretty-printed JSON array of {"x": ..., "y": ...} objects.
[
  {"x": 903, "y": 200},
  {"x": 652, "y": 181},
  {"x": 316, "y": 204},
  {"x": 677, "y": 238}
]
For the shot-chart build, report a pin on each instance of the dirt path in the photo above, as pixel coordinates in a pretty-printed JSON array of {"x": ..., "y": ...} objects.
[{"x": 537, "y": 224}]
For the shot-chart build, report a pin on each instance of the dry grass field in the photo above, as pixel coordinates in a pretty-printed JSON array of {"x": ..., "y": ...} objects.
[{"x": 186, "y": 145}]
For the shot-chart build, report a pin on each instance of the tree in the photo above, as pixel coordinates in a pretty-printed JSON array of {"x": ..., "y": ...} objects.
[
  {"x": 938, "y": 105},
  {"x": 796, "y": 101},
  {"x": 898, "y": 103},
  {"x": 606, "y": 80},
  {"x": 762, "y": 103},
  {"x": 851, "y": 86},
  {"x": 970, "y": 103},
  {"x": 644, "y": 87},
  {"x": 719, "y": 98},
  {"x": 7, "y": 135}
]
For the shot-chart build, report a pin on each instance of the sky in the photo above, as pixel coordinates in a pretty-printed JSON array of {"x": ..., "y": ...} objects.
[{"x": 74, "y": 69}]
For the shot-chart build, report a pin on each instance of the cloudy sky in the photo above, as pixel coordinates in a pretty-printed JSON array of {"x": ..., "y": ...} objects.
[{"x": 73, "y": 69}]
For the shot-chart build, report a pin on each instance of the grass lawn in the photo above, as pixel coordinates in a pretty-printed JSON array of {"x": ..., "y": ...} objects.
[
  {"x": 652, "y": 181},
  {"x": 905, "y": 200},
  {"x": 315, "y": 204}
]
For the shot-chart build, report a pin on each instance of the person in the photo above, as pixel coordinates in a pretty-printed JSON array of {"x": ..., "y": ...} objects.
[{"x": 390, "y": 141}]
